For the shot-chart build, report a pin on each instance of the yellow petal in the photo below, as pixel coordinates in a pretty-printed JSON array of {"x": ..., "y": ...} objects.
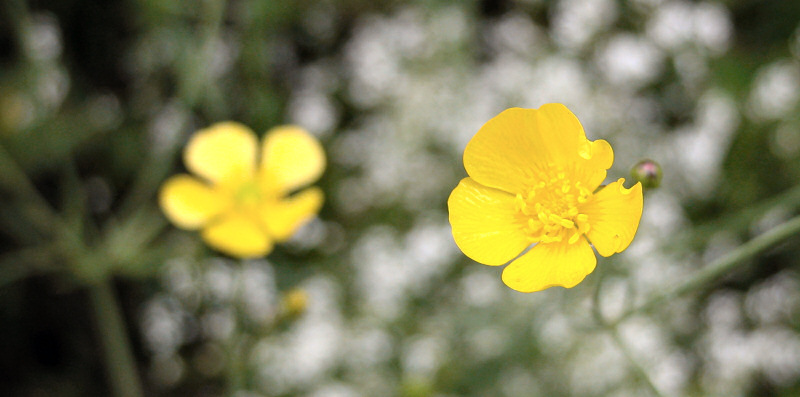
[
  {"x": 511, "y": 148},
  {"x": 291, "y": 157},
  {"x": 485, "y": 224},
  {"x": 222, "y": 152},
  {"x": 614, "y": 213},
  {"x": 597, "y": 158},
  {"x": 237, "y": 235},
  {"x": 549, "y": 265},
  {"x": 282, "y": 219},
  {"x": 189, "y": 203}
]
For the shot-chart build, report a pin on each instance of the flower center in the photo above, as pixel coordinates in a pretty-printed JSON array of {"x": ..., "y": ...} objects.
[
  {"x": 549, "y": 211},
  {"x": 248, "y": 194},
  {"x": 251, "y": 195}
]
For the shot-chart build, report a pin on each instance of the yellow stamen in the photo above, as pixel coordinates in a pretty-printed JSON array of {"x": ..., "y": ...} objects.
[
  {"x": 574, "y": 238},
  {"x": 549, "y": 208}
]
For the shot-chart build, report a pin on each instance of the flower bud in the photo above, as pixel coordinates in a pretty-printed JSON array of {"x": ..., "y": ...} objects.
[
  {"x": 648, "y": 172},
  {"x": 294, "y": 303}
]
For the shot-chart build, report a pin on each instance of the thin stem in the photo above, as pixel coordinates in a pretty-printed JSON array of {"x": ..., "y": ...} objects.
[
  {"x": 788, "y": 199},
  {"x": 121, "y": 366},
  {"x": 190, "y": 87},
  {"x": 15, "y": 266},
  {"x": 238, "y": 348},
  {"x": 640, "y": 371},
  {"x": 597, "y": 311},
  {"x": 238, "y": 343},
  {"x": 14, "y": 179},
  {"x": 36, "y": 210},
  {"x": 196, "y": 77},
  {"x": 19, "y": 19},
  {"x": 721, "y": 266}
]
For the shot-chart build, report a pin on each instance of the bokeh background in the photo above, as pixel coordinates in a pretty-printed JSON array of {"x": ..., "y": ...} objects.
[{"x": 97, "y": 99}]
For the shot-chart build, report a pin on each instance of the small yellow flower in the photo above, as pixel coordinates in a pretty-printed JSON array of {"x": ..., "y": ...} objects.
[
  {"x": 533, "y": 179},
  {"x": 242, "y": 204},
  {"x": 294, "y": 302}
]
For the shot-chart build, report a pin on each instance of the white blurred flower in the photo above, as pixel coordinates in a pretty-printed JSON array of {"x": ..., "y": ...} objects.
[
  {"x": 163, "y": 326},
  {"x": 713, "y": 27},
  {"x": 680, "y": 23},
  {"x": 775, "y": 91},
  {"x": 422, "y": 356},
  {"x": 43, "y": 41},
  {"x": 630, "y": 61},
  {"x": 576, "y": 22}
]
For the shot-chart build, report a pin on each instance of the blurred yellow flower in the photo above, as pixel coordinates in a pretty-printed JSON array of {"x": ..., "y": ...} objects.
[
  {"x": 242, "y": 200},
  {"x": 294, "y": 302},
  {"x": 533, "y": 179}
]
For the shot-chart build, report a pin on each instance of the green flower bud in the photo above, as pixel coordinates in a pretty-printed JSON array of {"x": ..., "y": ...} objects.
[{"x": 648, "y": 172}]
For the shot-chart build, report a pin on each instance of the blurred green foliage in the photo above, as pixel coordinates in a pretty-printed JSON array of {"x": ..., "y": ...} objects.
[{"x": 97, "y": 99}]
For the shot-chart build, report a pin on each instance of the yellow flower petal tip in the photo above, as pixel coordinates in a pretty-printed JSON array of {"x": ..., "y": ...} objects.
[
  {"x": 282, "y": 146},
  {"x": 221, "y": 152},
  {"x": 241, "y": 198},
  {"x": 188, "y": 202},
  {"x": 533, "y": 181}
]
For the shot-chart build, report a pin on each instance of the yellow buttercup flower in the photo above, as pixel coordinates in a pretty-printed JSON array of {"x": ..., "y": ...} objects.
[
  {"x": 533, "y": 179},
  {"x": 243, "y": 200}
]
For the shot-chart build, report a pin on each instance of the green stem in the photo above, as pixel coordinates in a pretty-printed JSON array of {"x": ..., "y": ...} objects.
[
  {"x": 238, "y": 344},
  {"x": 721, "y": 266},
  {"x": 120, "y": 364},
  {"x": 14, "y": 179},
  {"x": 18, "y": 265},
  {"x": 635, "y": 364},
  {"x": 19, "y": 19},
  {"x": 597, "y": 311},
  {"x": 190, "y": 87},
  {"x": 194, "y": 81},
  {"x": 788, "y": 199},
  {"x": 238, "y": 349}
]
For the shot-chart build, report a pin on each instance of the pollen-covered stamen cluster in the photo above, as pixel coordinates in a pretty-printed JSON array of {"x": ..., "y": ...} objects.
[{"x": 549, "y": 209}]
